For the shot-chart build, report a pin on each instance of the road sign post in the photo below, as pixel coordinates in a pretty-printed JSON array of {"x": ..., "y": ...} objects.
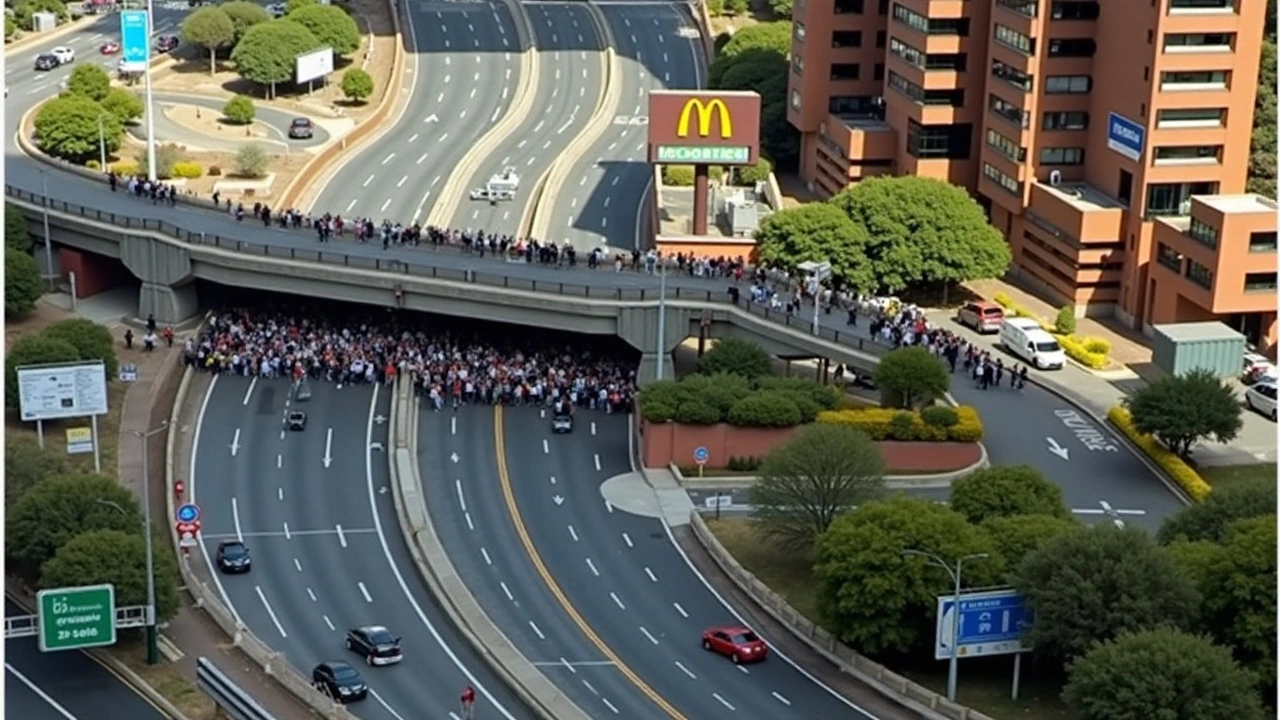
[
  {"x": 700, "y": 456},
  {"x": 986, "y": 623},
  {"x": 76, "y": 618},
  {"x": 188, "y": 513}
]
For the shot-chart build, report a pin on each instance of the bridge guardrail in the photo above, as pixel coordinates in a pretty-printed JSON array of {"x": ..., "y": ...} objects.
[{"x": 228, "y": 696}]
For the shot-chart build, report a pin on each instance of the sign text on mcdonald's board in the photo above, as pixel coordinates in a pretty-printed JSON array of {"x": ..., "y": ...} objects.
[{"x": 693, "y": 127}]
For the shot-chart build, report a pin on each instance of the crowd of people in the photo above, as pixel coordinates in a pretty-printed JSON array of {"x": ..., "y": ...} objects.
[{"x": 447, "y": 370}]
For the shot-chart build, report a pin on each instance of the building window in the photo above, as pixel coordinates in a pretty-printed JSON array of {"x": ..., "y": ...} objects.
[
  {"x": 845, "y": 71},
  {"x": 795, "y": 99},
  {"x": 1262, "y": 241},
  {"x": 995, "y": 175},
  {"x": 1199, "y": 274},
  {"x": 909, "y": 54},
  {"x": 1260, "y": 282},
  {"x": 1199, "y": 42},
  {"x": 1025, "y": 8},
  {"x": 1187, "y": 155},
  {"x": 1009, "y": 111},
  {"x": 1062, "y": 156},
  {"x": 848, "y": 7},
  {"x": 952, "y": 98},
  {"x": 846, "y": 39},
  {"x": 1074, "y": 10},
  {"x": 1169, "y": 257},
  {"x": 1203, "y": 233},
  {"x": 1202, "y": 5},
  {"x": 1191, "y": 118},
  {"x": 884, "y": 7},
  {"x": 797, "y": 31},
  {"x": 797, "y": 64},
  {"x": 1072, "y": 47},
  {"x": 931, "y": 142},
  {"x": 1014, "y": 40},
  {"x": 878, "y": 72},
  {"x": 1006, "y": 147},
  {"x": 881, "y": 35},
  {"x": 958, "y": 62},
  {"x": 1068, "y": 84},
  {"x": 930, "y": 26},
  {"x": 1065, "y": 121},
  {"x": 852, "y": 105},
  {"x": 1195, "y": 80},
  {"x": 1174, "y": 199},
  {"x": 1011, "y": 75}
]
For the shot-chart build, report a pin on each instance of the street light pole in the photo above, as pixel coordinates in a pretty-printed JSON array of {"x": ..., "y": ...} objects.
[
  {"x": 48, "y": 240},
  {"x": 102, "y": 146},
  {"x": 662, "y": 318},
  {"x": 954, "y": 662},
  {"x": 153, "y": 648},
  {"x": 151, "y": 115}
]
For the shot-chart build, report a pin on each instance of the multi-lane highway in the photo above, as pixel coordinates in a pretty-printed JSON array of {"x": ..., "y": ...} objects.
[{"x": 314, "y": 507}]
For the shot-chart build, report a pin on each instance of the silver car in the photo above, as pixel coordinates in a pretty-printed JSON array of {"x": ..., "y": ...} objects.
[{"x": 562, "y": 424}]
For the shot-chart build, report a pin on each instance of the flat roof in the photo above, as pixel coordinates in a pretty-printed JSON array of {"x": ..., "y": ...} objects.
[
  {"x": 1083, "y": 196},
  {"x": 1242, "y": 203},
  {"x": 862, "y": 122},
  {"x": 1191, "y": 331}
]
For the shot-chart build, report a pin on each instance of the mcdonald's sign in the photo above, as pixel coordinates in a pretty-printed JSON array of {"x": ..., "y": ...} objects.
[{"x": 704, "y": 128}]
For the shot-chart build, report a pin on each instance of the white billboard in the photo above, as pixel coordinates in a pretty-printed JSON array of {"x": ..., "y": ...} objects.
[
  {"x": 315, "y": 64},
  {"x": 51, "y": 392}
]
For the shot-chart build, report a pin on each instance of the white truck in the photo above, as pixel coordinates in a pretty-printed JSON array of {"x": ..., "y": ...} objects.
[{"x": 500, "y": 187}]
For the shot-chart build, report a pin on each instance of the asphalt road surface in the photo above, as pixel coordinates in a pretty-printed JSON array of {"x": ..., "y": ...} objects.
[
  {"x": 569, "y": 87},
  {"x": 65, "y": 685},
  {"x": 276, "y": 121},
  {"x": 315, "y": 508},
  {"x": 658, "y": 46},
  {"x": 466, "y": 65}
]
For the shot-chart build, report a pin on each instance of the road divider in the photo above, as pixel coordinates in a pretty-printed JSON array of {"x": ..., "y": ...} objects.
[
  {"x": 521, "y": 104},
  {"x": 433, "y": 563}
]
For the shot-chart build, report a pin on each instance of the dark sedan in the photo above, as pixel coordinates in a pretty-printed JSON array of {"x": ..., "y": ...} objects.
[
  {"x": 301, "y": 129},
  {"x": 339, "y": 681},
  {"x": 297, "y": 421},
  {"x": 233, "y": 557},
  {"x": 376, "y": 644},
  {"x": 46, "y": 62}
]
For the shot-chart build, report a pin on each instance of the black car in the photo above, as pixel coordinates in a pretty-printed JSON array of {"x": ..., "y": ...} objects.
[
  {"x": 297, "y": 420},
  {"x": 46, "y": 62},
  {"x": 301, "y": 129},
  {"x": 233, "y": 557},
  {"x": 376, "y": 644},
  {"x": 166, "y": 43},
  {"x": 339, "y": 681}
]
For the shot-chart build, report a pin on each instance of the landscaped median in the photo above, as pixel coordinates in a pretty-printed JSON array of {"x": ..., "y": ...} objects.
[{"x": 1173, "y": 466}]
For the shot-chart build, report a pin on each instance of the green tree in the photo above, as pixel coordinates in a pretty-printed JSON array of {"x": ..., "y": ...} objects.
[
  {"x": 1262, "y": 151},
  {"x": 1209, "y": 520},
  {"x": 211, "y": 28},
  {"x": 124, "y": 104},
  {"x": 244, "y": 15},
  {"x": 357, "y": 85},
  {"x": 293, "y": 6},
  {"x": 1016, "y": 536},
  {"x": 1186, "y": 409},
  {"x": 752, "y": 174},
  {"x": 875, "y": 599},
  {"x": 1240, "y": 597},
  {"x": 91, "y": 340},
  {"x": 89, "y": 81},
  {"x": 1160, "y": 673},
  {"x": 912, "y": 376},
  {"x": 736, "y": 357},
  {"x": 266, "y": 54},
  {"x": 25, "y": 464},
  {"x": 67, "y": 127},
  {"x": 167, "y": 155},
  {"x": 10, "y": 28},
  {"x": 118, "y": 558},
  {"x": 331, "y": 25},
  {"x": 33, "y": 350},
  {"x": 16, "y": 235},
  {"x": 22, "y": 283},
  {"x": 24, "y": 10},
  {"x": 239, "y": 110},
  {"x": 1065, "y": 323},
  {"x": 781, "y": 8},
  {"x": 59, "y": 508},
  {"x": 1093, "y": 584},
  {"x": 823, "y": 472},
  {"x": 923, "y": 230},
  {"x": 756, "y": 59},
  {"x": 1006, "y": 491},
  {"x": 251, "y": 161},
  {"x": 736, "y": 7},
  {"x": 816, "y": 232}
]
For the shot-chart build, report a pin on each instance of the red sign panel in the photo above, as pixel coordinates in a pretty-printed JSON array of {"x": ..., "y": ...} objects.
[{"x": 688, "y": 127}]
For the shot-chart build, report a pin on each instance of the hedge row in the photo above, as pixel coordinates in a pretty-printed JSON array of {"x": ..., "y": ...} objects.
[
  {"x": 1174, "y": 466},
  {"x": 1088, "y": 351},
  {"x": 711, "y": 399},
  {"x": 962, "y": 424}
]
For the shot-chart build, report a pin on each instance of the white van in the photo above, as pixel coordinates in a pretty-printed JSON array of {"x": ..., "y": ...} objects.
[{"x": 1025, "y": 338}]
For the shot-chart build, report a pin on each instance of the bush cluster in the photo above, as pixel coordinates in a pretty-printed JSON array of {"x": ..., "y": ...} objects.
[
  {"x": 125, "y": 169},
  {"x": 682, "y": 175},
  {"x": 186, "y": 169},
  {"x": 711, "y": 399},
  {"x": 933, "y": 424},
  {"x": 1174, "y": 466},
  {"x": 744, "y": 464},
  {"x": 1088, "y": 351}
]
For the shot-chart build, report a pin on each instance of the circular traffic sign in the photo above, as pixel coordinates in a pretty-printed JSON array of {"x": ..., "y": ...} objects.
[
  {"x": 701, "y": 455},
  {"x": 188, "y": 513}
]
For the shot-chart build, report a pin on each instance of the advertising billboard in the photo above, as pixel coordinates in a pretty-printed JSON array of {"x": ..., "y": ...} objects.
[
  {"x": 52, "y": 392},
  {"x": 313, "y": 65},
  {"x": 1126, "y": 136},
  {"x": 690, "y": 127}
]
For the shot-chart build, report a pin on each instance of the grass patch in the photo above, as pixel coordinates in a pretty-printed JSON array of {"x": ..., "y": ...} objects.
[
  {"x": 165, "y": 678},
  {"x": 1224, "y": 476},
  {"x": 775, "y": 566}
]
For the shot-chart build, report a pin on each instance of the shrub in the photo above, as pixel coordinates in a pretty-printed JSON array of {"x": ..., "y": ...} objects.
[
  {"x": 239, "y": 110},
  {"x": 167, "y": 155},
  {"x": 214, "y": 171},
  {"x": 769, "y": 408},
  {"x": 125, "y": 168},
  {"x": 940, "y": 416},
  {"x": 186, "y": 169},
  {"x": 969, "y": 428},
  {"x": 659, "y": 410},
  {"x": 93, "y": 165},
  {"x": 694, "y": 412},
  {"x": 905, "y": 426},
  {"x": 744, "y": 464},
  {"x": 1077, "y": 349},
  {"x": 888, "y": 424},
  {"x": 1065, "y": 324},
  {"x": 677, "y": 175},
  {"x": 1174, "y": 466},
  {"x": 1097, "y": 345},
  {"x": 753, "y": 174},
  {"x": 251, "y": 161}
]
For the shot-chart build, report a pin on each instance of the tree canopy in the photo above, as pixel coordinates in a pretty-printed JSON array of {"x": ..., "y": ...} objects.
[
  {"x": 357, "y": 84},
  {"x": 1016, "y": 536},
  {"x": 1210, "y": 520},
  {"x": 755, "y": 58},
  {"x": 67, "y": 127},
  {"x": 25, "y": 464},
  {"x": 1239, "y": 592},
  {"x": 244, "y": 15},
  {"x": 32, "y": 350},
  {"x": 124, "y": 104},
  {"x": 912, "y": 376},
  {"x": 823, "y": 472},
  {"x": 118, "y": 558},
  {"x": 59, "y": 508},
  {"x": 817, "y": 232},
  {"x": 22, "y": 283},
  {"x": 89, "y": 81},
  {"x": 1006, "y": 491},
  {"x": 1183, "y": 410},
  {"x": 16, "y": 235},
  {"x": 331, "y": 25},
  {"x": 1262, "y": 151},
  {"x": 211, "y": 28},
  {"x": 268, "y": 51},
  {"x": 91, "y": 340},
  {"x": 736, "y": 357}
]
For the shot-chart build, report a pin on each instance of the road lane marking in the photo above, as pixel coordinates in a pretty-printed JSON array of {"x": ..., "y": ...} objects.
[
  {"x": 342, "y": 537},
  {"x": 249, "y": 392},
  {"x": 487, "y": 559},
  {"x": 277, "y": 533},
  {"x": 470, "y": 525},
  {"x": 537, "y": 631},
  {"x": 279, "y": 461},
  {"x": 649, "y": 635},
  {"x": 462, "y": 501},
  {"x": 235, "y": 443},
  {"x": 297, "y": 564},
  {"x": 235, "y": 518},
  {"x": 597, "y": 457},
  {"x": 609, "y": 705},
  {"x": 743, "y": 670},
  {"x": 781, "y": 699},
  {"x": 506, "y": 591},
  {"x": 592, "y": 565},
  {"x": 351, "y": 205},
  {"x": 328, "y": 622},
  {"x": 424, "y": 157},
  {"x": 280, "y": 494},
  {"x": 553, "y": 479},
  {"x": 627, "y": 539},
  {"x": 453, "y": 426},
  {"x": 366, "y": 182},
  {"x": 403, "y": 180},
  {"x": 573, "y": 533},
  {"x": 723, "y": 701},
  {"x": 328, "y": 444},
  {"x": 364, "y": 591},
  {"x": 385, "y": 203},
  {"x": 311, "y": 594},
  {"x": 546, "y": 448},
  {"x": 616, "y": 600},
  {"x": 652, "y": 577},
  {"x": 270, "y": 612},
  {"x": 386, "y": 705},
  {"x": 608, "y": 506},
  {"x": 287, "y": 536},
  {"x": 567, "y": 665},
  {"x": 413, "y": 137},
  {"x": 42, "y": 694},
  {"x": 680, "y": 610},
  {"x": 686, "y": 670}
]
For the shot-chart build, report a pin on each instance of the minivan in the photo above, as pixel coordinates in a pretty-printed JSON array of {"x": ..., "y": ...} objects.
[
  {"x": 985, "y": 317},
  {"x": 1025, "y": 338}
]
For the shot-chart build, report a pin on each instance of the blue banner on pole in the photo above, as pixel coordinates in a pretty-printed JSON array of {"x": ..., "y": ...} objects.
[{"x": 135, "y": 40}]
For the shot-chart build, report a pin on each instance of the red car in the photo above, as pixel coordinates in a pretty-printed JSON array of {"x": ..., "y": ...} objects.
[
  {"x": 109, "y": 48},
  {"x": 736, "y": 643}
]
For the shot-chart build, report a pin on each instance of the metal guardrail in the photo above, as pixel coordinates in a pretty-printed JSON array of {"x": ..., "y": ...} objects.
[
  {"x": 232, "y": 700},
  {"x": 17, "y": 626}
]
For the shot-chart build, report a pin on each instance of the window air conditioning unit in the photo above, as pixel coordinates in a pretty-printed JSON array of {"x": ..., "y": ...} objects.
[{"x": 1055, "y": 178}]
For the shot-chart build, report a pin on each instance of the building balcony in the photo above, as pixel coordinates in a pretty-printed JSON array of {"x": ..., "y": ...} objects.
[{"x": 1078, "y": 210}]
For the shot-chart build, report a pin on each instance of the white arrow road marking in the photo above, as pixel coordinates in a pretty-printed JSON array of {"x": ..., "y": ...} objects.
[
  {"x": 431, "y": 118},
  {"x": 235, "y": 443},
  {"x": 375, "y": 446},
  {"x": 454, "y": 457},
  {"x": 380, "y": 419},
  {"x": 1057, "y": 449},
  {"x": 328, "y": 447},
  {"x": 558, "y": 500}
]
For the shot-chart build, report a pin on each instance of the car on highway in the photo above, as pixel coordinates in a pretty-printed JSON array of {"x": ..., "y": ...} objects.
[
  {"x": 46, "y": 61},
  {"x": 167, "y": 43},
  {"x": 562, "y": 424},
  {"x": 296, "y": 420},
  {"x": 1261, "y": 398},
  {"x": 983, "y": 316},
  {"x": 339, "y": 681},
  {"x": 233, "y": 557},
  {"x": 276, "y": 10},
  {"x": 302, "y": 129},
  {"x": 63, "y": 54},
  {"x": 109, "y": 48},
  {"x": 735, "y": 642},
  {"x": 376, "y": 644}
]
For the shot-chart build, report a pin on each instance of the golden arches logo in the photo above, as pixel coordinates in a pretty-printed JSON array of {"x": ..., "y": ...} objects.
[{"x": 705, "y": 113}]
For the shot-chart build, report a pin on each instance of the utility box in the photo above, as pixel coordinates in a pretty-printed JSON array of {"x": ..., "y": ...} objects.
[
  {"x": 43, "y": 21},
  {"x": 1179, "y": 348}
]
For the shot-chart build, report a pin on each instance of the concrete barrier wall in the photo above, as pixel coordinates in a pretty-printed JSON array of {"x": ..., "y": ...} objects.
[
  {"x": 893, "y": 686},
  {"x": 703, "y": 18},
  {"x": 773, "y": 192}
]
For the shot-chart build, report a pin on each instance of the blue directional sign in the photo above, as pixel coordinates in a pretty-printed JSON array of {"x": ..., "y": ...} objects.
[
  {"x": 991, "y": 623},
  {"x": 188, "y": 513},
  {"x": 135, "y": 40},
  {"x": 701, "y": 455}
]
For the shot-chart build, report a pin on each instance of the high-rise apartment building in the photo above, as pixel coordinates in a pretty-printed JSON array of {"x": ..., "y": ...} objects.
[{"x": 1078, "y": 124}]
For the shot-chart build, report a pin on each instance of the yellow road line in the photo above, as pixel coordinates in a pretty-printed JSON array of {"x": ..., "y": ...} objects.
[{"x": 499, "y": 438}]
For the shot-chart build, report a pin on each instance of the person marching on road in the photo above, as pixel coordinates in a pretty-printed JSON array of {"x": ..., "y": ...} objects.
[{"x": 468, "y": 703}]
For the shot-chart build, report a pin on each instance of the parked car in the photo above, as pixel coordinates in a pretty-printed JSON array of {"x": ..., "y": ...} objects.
[
  {"x": 340, "y": 681},
  {"x": 1261, "y": 397},
  {"x": 1026, "y": 339},
  {"x": 109, "y": 48},
  {"x": 983, "y": 316},
  {"x": 63, "y": 54},
  {"x": 1257, "y": 367},
  {"x": 735, "y": 642},
  {"x": 46, "y": 61},
  {"x": 296, "y": 420},
  {"x": 302, "y": 129},
  {"x": 233, "y": 557},
  {"x": 376, "y": 644}
]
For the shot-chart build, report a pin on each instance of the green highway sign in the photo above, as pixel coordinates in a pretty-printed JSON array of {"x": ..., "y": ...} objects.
[
  {"x": 739, "y": 154},
  {"x": 78, "y": 617}
]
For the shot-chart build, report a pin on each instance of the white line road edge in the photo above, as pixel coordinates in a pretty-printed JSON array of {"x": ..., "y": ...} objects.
[
  {"x": 191, "y": 486},
  {"x": 43, "y": 695}
]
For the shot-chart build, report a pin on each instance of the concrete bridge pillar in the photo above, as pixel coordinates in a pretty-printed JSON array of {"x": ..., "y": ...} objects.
[
  {"x": 648, "y": 370},
  {"x": 170, "y": 304}
]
